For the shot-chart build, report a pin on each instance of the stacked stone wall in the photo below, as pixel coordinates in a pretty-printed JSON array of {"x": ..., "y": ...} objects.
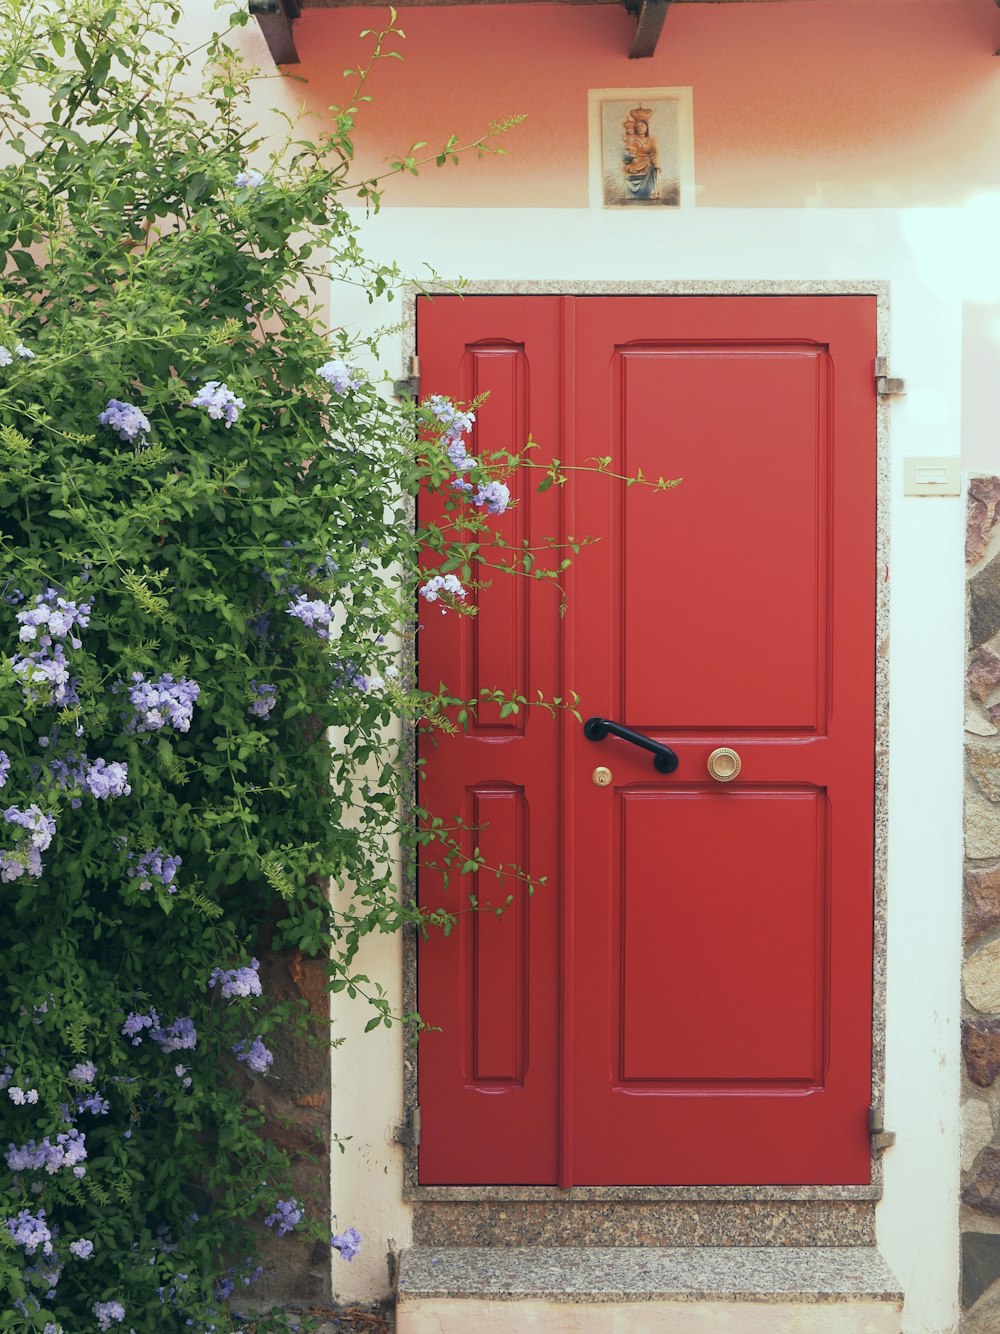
[{"x": 980, "y": 1221}]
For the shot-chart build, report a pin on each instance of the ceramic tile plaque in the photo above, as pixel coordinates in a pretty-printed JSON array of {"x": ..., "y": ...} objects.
[{"x": 641, "y": 148}]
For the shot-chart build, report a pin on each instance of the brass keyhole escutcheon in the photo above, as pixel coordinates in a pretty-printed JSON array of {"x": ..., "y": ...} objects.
[
  {"x": 601, "y": 776},
  {"x": 724, "y": 764}
]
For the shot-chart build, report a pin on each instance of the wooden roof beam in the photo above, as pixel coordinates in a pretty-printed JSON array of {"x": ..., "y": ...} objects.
[
  {"x": 650, "y": 16},
  {"x": 274, "y": 18}
]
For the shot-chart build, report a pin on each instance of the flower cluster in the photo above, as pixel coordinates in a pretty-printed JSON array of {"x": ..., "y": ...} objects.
[
  {"x": 349, "y": 676},
  {"x": 494, "y": 495},
  {"x": 154, "y": 865},
  {"x": 220, "y": 402},
  {"x": 456, "y": 425},
  {"x": 179, "y": 1036},
  {"x": 108, "y": 1313},
  {"x": 348, "y": 1243},
  {"x": 125, "y": 418},
  {"x": 82, "y": 1248},
  {"x": 157, "y": 703},
  {"x": 314, "y": 613},
  {"x": 255, "y": 1054},
  {"x": 84, "y": 1072},
  {"x": 26, "y": 857},
  {"x": 266, "y": 696},
  {"x": 21, "y": 1097},
  {"x": 339, "y": 376},
  {"x": 104, "y": 780},
  {"x": 248, "y": 179},
  {"x": 250, "y": 1273},
  {"x": 41, "y": 827},
  {"x": 25, "y": 353},
  {"x": 442, "y": 583},
  {"x": 69, "y": 1150},
  {"x": 46, "y": 625},
  {"x": 52, "y": 617},
  {"x": 237, "y": 981},
  {"x": 31, "y": 1231},
  {"x": 101, "y": 778},
  {"x": 286, "y": 1217},
  {"x": 48, "y": 670}
]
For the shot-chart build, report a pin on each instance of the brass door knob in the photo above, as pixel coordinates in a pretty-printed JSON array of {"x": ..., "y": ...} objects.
[{"x": 724, "y": 764}]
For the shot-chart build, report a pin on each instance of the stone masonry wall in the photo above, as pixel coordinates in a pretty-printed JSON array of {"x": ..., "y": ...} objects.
[{"x": 980, "y": 1219}]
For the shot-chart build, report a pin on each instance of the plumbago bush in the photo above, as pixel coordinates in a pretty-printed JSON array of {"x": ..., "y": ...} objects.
[{"x": 206, "y": 563}]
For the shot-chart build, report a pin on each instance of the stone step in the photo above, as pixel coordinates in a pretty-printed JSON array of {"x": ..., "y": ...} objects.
[
  {"x": 646, "y": 1290},
  {"x": 511, "y": 1222}
]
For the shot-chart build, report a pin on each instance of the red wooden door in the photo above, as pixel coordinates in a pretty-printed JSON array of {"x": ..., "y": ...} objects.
[{"x": 688, "y": 1001}]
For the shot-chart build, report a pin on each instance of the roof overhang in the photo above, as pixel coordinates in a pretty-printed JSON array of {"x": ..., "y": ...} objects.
[{"x": 277, "y": 16}]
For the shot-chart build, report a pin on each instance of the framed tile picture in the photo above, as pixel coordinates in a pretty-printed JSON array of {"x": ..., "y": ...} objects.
[{"x": 641, "y": 148}]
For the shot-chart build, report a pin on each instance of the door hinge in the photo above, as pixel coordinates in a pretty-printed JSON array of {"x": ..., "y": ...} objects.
[
  {"x": 885, "y": 384},
  {"x": 409, "y": 1132},
  {"x": 409, "y": 385},
  {"x": 880, "y": 1137}
]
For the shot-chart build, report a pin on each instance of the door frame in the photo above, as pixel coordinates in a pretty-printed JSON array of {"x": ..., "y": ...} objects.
[{"x": 879, "y": 290}]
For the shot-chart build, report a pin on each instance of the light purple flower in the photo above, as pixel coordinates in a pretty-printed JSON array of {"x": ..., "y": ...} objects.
[
  {"x": 348, "y": 1243},
  {"x": 69, "y": 1150},
  {"x": 83, "y": 1073},
  {"x": 255, "y": 1054},
  {"x": 459, "y": 456},
  {"x": 237, "y": 981},
  {"x": 494, "y": 495},
  {"x": 339, "y": 376},
  {"x": 30, "y": 1231},
  {"x": 108, "y": 1314},
  {"x": 25, "y": 353},
  {"x": 314, "y": 613},
  {"x": 104, "y": 780},
  {"x": 135, "y": 1025},
  {"x": 41, "y": 827},
  {"x": 154, "y": 865},
  {"x": 286, "y": 1217},
  {"x": 82, "y": 1248},
  {"x": 220, "y": 402},
  {"x": 157, "y": 703},
  {"x": 125, "y": 418},
  {"x": 53, "y": 617},
  {"x": 178, "y": 1036},
  {"x": 94, "y": 1104},
  {"x": 248, "y": 179},
  {"x": 48, "y": 669},
  {"x": 6, "y": 356},
  {"x": 266, "y": 698},
  {"x": 442, "y": 583},
  {"x": 19, "y": 1097}
]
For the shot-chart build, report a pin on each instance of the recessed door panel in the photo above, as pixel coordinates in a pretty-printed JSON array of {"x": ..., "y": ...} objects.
[
  {"x": 731, "y": 568},
  {"x": 722, "y": 932}
]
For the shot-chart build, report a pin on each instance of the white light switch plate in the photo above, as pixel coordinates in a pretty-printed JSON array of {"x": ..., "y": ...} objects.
[{"x": 932, "y": 476}]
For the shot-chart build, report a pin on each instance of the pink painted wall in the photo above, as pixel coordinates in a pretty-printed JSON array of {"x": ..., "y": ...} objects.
[{"x": 808, "y": 102}]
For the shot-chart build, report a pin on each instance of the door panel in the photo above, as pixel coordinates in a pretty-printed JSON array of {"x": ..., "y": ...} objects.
[
  {"x": 756, "y": 600},
  {"x": 688, "y": 999},
  {"x": 701, "y": 872},
  {"x": 492, "y": 988}
]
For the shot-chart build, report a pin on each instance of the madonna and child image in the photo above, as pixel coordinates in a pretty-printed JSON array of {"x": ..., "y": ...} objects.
[{"x": 640, "y": 153}]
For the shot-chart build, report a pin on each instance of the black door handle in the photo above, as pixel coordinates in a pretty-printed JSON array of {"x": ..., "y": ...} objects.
[{"x": 665, "y": 760}]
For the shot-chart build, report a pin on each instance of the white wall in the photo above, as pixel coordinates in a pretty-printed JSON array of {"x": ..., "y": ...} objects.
[{"x": 918, "y": 1218}]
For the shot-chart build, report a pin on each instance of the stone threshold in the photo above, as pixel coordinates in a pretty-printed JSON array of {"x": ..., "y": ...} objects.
[{"x": 609, "y": 1274}]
